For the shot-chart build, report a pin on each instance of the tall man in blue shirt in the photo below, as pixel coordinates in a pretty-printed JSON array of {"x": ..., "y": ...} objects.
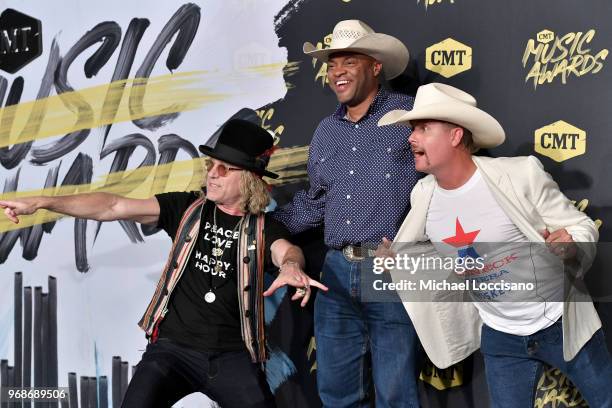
[{"x": 361, "y": 176}]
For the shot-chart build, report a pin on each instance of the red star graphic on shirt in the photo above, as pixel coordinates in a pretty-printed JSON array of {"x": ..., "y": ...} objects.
[{"x": 461, "y": 237}]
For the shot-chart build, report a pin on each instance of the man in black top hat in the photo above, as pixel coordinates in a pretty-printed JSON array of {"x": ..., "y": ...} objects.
[{"x": 205, "y": 323}]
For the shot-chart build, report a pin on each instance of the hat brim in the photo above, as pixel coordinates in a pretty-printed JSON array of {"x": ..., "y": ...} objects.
[
  {"x": 486, "y": 130},
  {"x": 249, "y": 166},
  {"x": 390, "y": 51}
]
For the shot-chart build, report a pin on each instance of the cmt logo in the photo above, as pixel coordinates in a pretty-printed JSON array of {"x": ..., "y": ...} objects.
[
  {"x": 442, "y": 379},
  {"x": 545, "y": 36},
  {"x": 448, "y": 58},
  {"x": 560, "y": 141},
  {"x": 20, "y": 40}
]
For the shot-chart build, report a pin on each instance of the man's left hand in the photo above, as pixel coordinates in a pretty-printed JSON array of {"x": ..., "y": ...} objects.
[{"x": 560, "y": 243}]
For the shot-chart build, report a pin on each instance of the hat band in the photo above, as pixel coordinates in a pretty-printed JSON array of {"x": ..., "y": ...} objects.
[{"x": 238, "y": 157}]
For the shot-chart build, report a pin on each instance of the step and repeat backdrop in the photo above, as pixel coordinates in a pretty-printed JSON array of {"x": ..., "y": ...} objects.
[{"x": 116, "y": 96}]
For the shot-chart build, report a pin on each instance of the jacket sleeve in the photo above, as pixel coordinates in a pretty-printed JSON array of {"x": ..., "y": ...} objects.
[
  {"x": 558, "y": 212},
  {"x": 555, "y": 208}
]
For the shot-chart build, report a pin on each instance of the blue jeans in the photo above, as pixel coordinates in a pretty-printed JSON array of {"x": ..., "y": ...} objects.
[
  {"x": 345, "y": 328},
  {"x": 513, "y": 366}
]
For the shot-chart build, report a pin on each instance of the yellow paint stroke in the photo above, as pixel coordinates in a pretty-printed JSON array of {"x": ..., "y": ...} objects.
[
  {"x": 162, "y": 95},
  {"x": 186, "y": 175},
  {"x": 266, "y": 70},
  {"x": 69, "y": 112},
  {"x": 290, "y": 70},
  {"x": 283, "y": 162}
]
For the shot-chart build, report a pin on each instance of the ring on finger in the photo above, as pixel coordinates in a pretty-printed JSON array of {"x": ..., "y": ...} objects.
[{"x": 300, "y": 291}]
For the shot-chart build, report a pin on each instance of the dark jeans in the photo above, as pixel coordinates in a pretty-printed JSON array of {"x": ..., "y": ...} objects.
[
  {"x": 346, "y": 327},
  {"x": 169, "y": 371},
  {"x": 513, "y": 365}
]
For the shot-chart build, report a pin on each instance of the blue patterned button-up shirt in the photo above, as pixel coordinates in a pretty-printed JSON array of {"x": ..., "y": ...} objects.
[{"x": 360, "y": 175}]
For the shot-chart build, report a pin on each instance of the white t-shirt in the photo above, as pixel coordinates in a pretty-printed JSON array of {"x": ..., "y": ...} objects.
[{"x": 468, "y": 221}]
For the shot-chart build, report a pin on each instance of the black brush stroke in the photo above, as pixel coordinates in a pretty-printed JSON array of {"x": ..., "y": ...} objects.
[
  {"x": 10, "y": 158},
  {"x": 131, "y": 40},
  {"x": 109, "y": 33},
  {"x": 123, "y": 149},
  {"x": 185, "y": 21},
  {"x": 39, "y": 109},
  {"x": 3, "y": 86},
  {"x": 169, "y": 145},
  {"x": 9, "y": 239},
  {"x": 81, "y": 172},
  {"x": 32, "y": 244}
]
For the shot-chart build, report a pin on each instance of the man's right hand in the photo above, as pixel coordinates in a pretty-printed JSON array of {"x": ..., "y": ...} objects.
[
  {"x": 384, "y": 250},
  {"x": 20, "y": 206}
]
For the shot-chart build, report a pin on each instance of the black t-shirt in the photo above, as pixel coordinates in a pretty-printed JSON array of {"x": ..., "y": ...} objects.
[{"x": 191, "y": 320}]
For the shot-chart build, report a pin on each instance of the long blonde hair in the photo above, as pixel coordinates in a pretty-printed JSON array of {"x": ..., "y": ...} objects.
[{"x": 254, "y": 195}]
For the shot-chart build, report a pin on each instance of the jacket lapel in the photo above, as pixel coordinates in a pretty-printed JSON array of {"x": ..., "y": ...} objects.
[{"x": 413, "y": 227}]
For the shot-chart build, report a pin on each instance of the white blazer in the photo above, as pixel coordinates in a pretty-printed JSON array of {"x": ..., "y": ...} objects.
[{"x": 450, "y": 331}]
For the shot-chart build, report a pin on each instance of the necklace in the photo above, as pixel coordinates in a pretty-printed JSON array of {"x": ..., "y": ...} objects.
[{"x": 217, "y": 252}]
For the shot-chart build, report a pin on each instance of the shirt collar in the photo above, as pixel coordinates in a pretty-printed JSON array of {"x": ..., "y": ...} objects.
[{"x": 375, "y": 106}]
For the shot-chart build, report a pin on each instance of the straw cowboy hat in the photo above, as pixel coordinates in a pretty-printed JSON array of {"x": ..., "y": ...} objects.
[
  {"x": 357, "y": 36},
  {"x": 449, "y": 104}
]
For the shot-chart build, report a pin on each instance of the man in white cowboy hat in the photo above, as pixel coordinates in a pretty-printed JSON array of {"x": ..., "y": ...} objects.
[
  {"x": 356, "y": 170},
  {"x": 205, "y": 322},
  {"x": 471, "y": 205}
]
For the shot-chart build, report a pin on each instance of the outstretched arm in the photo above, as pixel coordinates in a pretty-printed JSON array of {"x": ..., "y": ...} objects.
[{"x": 94, "y": 206}]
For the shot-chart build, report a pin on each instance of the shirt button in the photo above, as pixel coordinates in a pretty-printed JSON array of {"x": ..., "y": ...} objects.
[
  {"x": 351, "y": 172},
  {"x": 322, "y": 160},
  {"x": 356, "y": 126},
  {"x": 354, "y": 149},
  {"x": 348, "y": 196},
  {"x": 387, "y": 175},
  {"x": 388, "y": 149},
  {"x": 348, "y": 221}
]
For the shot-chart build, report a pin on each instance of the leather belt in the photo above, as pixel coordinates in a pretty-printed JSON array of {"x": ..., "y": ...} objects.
[{"x": 354, "y": 253}]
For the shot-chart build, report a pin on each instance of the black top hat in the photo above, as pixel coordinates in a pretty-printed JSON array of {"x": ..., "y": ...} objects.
[{"x": 244, "y": 144}]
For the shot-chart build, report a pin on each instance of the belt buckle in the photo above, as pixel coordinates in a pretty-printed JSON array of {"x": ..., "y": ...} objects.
[{"x": 349, "y": 253}]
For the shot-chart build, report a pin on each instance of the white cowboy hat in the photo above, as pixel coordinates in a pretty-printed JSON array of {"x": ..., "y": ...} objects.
[
  {"x": 447, "y": 103},
  {"x": 357, "y": 36}
]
